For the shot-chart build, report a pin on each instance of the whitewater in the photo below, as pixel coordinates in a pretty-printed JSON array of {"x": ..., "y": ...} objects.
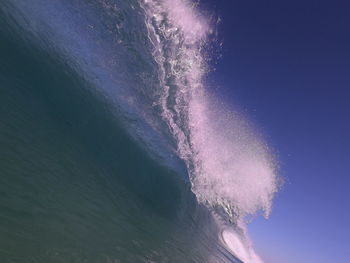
[
  {"x": 231, "y": 167},
  {"x": 146, "y": 63}
]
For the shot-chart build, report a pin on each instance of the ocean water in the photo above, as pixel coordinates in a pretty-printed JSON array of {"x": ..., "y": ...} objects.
[{"x": 112, "y": 148}]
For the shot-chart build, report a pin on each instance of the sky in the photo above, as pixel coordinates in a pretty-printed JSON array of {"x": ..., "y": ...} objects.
[{"x": 286, "y": 65}]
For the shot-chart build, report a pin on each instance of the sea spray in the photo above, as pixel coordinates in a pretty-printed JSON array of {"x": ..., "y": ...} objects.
[
  {"x": 231, "y": 168},
  {"x": 233, "y": 165}
]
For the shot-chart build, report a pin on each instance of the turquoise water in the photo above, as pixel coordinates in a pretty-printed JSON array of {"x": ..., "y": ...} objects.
[{"x": 97, "y": 159}]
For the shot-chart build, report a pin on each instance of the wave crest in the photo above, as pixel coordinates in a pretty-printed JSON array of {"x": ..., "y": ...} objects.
[
  {"x": 229, "y": 164},
  {"x": 231, "y": 168}
]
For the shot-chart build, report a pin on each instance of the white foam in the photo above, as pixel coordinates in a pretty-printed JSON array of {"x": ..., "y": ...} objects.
[
  {"x": 185, "y": 16},
  {"x": 230, "y": 165},
  {"x": 233, "y": 164}
]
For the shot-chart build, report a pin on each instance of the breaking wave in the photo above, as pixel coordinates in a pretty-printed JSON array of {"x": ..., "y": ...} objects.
[{"x": 148, "y": 61}]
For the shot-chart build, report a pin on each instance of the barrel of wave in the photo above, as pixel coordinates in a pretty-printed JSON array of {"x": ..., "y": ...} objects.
[{"x": 240, "y": 246}]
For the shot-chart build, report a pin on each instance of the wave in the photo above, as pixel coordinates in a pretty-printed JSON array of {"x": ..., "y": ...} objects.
[
  {"x": 147, "y": 61},
  {"x": 232, "y": 170}
]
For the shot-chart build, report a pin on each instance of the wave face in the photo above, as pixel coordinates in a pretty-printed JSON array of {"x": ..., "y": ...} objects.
[{"x": 112, "y": 148}]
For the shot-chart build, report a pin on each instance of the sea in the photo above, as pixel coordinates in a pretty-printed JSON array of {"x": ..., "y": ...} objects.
[{"x": 113, "y": 148}]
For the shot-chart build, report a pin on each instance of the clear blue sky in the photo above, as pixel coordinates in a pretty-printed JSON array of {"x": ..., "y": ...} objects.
[{"x": 287, "y": 65}]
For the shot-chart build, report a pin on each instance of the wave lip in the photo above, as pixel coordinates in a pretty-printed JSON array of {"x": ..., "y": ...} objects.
[
  {"x": 228, "y": 162},
  {"x": 232, "y": 170}
]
